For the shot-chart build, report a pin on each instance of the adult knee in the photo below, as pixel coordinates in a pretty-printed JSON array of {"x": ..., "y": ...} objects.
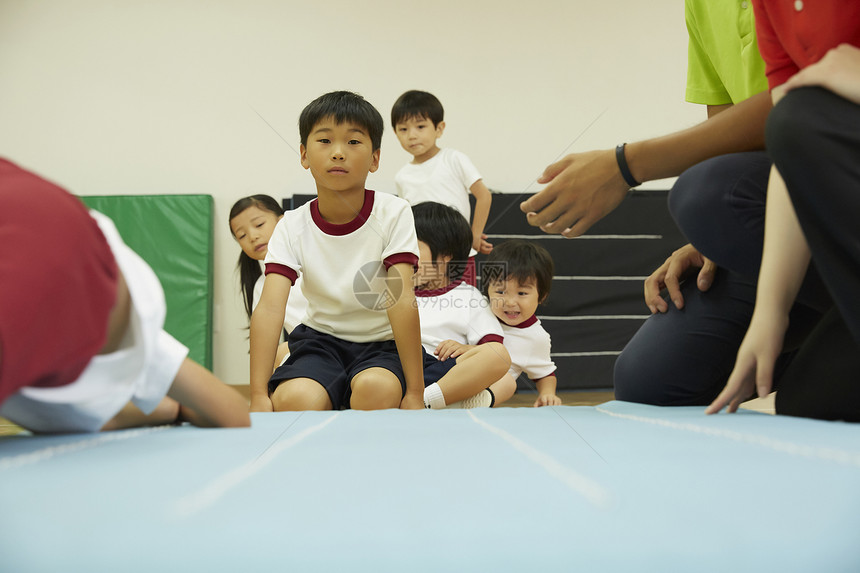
[
  {"x": 718, "y": 205},
  {"x": 692, "y": 197},
  {"x": 697, "y": 203},
  {"x": 631, "y": 379},
  {"x": 793, "y": 126}
]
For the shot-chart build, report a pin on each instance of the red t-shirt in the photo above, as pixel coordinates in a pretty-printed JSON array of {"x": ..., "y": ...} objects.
[
  {"x": 793, "y": 34},
  {"x": 58, "y": 281}
]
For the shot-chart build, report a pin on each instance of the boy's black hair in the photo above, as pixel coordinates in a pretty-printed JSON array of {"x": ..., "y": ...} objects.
[
  {"x": 249, "y": 269},
  {"x": 521, "y": 260},
  {"x": 343, "y": 106},
  {"x": 446, "y": 232},
  {"x": 418, "y": 104}
]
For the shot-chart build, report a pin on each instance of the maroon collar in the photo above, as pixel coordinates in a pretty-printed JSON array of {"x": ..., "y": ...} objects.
[
  {"x": 438, "y": 291},
  {"x": 346, "y": 228},
  {"x": 526, "y": 323}
]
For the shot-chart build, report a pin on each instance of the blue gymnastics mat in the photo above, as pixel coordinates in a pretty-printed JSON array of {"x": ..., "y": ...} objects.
[{"x": 617, "y": 487}]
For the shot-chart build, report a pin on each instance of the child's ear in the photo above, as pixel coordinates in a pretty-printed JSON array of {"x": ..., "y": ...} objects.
[
  {"x": 374, "y": 162},
  {"x": 303, "y": 153},
  {"x": 440, "y": 127}
]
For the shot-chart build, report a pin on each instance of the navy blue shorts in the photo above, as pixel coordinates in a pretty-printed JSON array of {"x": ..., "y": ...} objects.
[
  {"x": 334, "y": 362},
  {"x": 434, "y": 368}
]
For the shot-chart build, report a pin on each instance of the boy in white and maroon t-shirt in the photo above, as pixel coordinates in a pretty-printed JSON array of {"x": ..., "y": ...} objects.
[
  {"x": 437, "y": 174},
  {"x": 516, "y": 277},
  {"x": 359, "y": 345},
  {"x": 462, "y": 339}
]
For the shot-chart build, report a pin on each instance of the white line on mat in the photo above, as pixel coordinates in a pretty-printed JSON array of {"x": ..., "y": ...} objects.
[
  {"x": 586, "y": 487},
  {"x": 217, "y": 488},
  {"x": 828, "y": 454}
]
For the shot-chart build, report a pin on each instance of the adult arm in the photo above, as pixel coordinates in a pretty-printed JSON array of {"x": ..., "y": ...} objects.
[
  {"x": 403, "y": 315},
  {"x": 266, "y": 324},
  {"x": 785, "y": 259},
  {"x": 584, "y": 187}
]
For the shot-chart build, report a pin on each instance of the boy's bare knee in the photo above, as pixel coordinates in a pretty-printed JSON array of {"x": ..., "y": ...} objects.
[
  {"x": 300, "y": 394},
  {"x": 494, "y": 357},
  {"x": 375, "y": 389}
]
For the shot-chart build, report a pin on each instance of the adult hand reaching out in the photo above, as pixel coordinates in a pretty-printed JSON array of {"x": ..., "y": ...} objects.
[
  {"x": 582, "y": 189},
  {"x": 670, "y": 274}
]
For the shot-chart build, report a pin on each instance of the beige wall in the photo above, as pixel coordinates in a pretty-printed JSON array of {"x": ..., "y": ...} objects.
[{"x": 132, "y": 97}]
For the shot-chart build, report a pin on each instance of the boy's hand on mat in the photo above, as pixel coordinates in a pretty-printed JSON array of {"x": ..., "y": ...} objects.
[
  {"x": 261, "y": 404},
  {"x": 582, "y": 189},
  {"x": 670, "y": 274},
  {"x": 754, "y": 365},
  {"x": 547, "y": 400},
  {"x": 412, "y": 401},
  {"x": 450, "y": 349}
]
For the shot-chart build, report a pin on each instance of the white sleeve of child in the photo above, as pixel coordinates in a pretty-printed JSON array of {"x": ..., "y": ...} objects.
[
  {"x": 465, "y": 169},
  {"x": 482, "y": 321},
  {"x": 280, "y": 250},
  {"x": 540, "y": 364},
  {"x": 401, "y": 231}
]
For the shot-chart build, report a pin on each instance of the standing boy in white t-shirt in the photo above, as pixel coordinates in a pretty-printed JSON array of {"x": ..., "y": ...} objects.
[
  {"x": 444, "y": 175},
  {"x": 516, "y": 277},
  {"x": 461, "y": 336},
  {"x": 359, "y": 345}
]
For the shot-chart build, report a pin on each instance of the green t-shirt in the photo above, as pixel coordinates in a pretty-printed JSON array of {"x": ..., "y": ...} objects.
[{"x": 722, "y": 67}]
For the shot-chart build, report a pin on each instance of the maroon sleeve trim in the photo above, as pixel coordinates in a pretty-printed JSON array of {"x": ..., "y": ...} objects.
[
  {"x": 401, "y": 258},
  {"x": 491, "y": 338},
  {"x": 283, "y": 270}
]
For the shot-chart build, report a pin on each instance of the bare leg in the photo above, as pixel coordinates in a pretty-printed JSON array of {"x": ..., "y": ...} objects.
[
  {"x": 476, "y": 370},
  {"x": 281, "y": 354},
  {"x": 300, "y": 394},
  {"x": 503, "y": 389},
  {"x": 375, "y": 389}
]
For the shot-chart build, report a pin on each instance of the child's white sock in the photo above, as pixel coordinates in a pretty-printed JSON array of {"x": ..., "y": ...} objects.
[
  {"x": 483, "y": 399},
  {"x": 433, "y": 397}
]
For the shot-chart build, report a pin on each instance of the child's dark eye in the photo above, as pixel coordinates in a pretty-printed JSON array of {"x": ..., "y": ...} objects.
[{"x": 323, "y": 140}]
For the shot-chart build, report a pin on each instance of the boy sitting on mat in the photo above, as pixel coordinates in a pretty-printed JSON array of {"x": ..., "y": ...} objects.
[
  {"x": 516, "y": 277},
  {"x": 461, "y": 335},
  {"x": 360, "y": 344},
  {"x": 82, "y": 345}
]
